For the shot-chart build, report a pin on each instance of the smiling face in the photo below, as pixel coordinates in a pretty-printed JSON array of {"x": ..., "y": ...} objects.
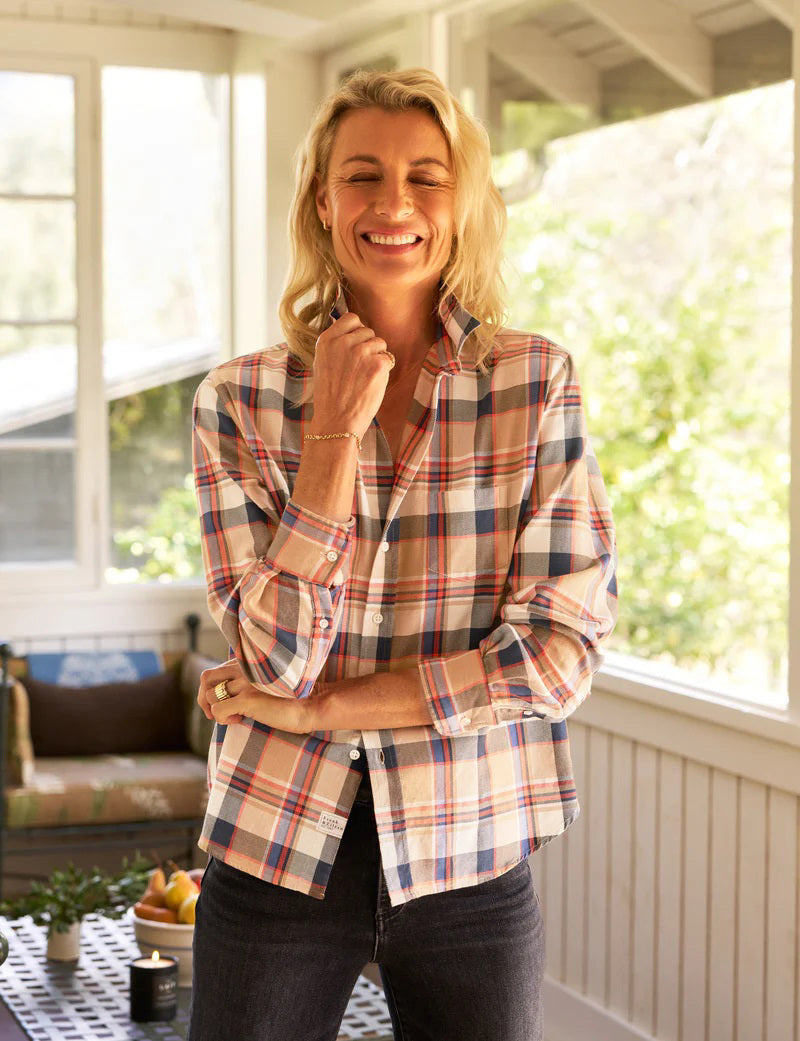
[{"x": 388, "y": 200}]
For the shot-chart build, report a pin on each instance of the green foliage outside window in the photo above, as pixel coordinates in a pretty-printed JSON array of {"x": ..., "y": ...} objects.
[{"x": 658, "y": 254}]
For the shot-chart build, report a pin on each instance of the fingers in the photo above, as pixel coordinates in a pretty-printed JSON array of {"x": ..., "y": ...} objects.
[
  {"x": 230, "y": 672},
  {"x": 225, "y": 712},
  {"x": 350, "y": 331}
]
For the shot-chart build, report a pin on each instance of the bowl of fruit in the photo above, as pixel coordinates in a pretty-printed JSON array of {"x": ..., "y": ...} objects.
[{"x": 163, "y": 917}]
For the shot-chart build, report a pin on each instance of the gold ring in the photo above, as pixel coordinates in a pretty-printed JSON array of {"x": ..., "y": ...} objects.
[
  {"x": 221, "y": 691},
  {"x": 391, "y": 358}
]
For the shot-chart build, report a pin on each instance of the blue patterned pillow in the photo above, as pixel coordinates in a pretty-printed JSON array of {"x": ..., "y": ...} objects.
[{"x": 90, "y": 668}]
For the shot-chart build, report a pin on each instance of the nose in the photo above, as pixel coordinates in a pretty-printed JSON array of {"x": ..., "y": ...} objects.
[{"x": 394, "y": 201}]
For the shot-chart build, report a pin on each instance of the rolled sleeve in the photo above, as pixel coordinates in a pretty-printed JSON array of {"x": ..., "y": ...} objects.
[
  {"x": 561, "y": 600},
  {"x": 276, "y": 573},
  {"x": 456, "y": 690},
  {"x": 310, "y": 547}
]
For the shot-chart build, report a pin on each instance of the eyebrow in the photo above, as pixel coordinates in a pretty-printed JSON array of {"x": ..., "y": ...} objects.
[{"x": 414, "y": 162}]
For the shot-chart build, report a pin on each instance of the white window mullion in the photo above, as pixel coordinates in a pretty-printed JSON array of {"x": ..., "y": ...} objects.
[
  {"x": 794, "y": 437},
  {"x": 89, "y": 419},
  {"x": 91, "y": 463}
]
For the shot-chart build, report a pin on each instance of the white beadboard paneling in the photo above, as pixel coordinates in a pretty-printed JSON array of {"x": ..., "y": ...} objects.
[
  {"x": 597, "y": 830},
  {"x": 554, "y": 859},
  {"x": 575, "y": 868},
  {"x": 644, "y": 886},
  {"x": 722, "y": 906},
  {"x": 668, "y": 898},
  {"x": 751, "y": 910},
  {"x": 782, "y": 969},
  {"x": 620, "y": 889},
  {"x": 693, "y": 966}
]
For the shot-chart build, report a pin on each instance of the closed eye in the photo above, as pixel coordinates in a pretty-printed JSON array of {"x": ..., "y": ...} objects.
[{"x": 359, "y": 178}]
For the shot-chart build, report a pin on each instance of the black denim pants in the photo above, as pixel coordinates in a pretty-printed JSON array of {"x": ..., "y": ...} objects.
[{"x": 272, "y": 964}]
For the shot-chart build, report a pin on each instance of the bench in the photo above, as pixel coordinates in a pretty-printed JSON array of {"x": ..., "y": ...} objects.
[{"x": 67, "y": 803}]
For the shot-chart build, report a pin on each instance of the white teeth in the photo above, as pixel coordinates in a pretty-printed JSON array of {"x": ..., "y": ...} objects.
[{"x": 392, "y": 240}]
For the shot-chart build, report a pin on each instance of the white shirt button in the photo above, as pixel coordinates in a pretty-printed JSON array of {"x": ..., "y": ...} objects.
[
  {"x": 377, "y": 618},
  {"x": 324, "y": 623},
  {"x": 528, "y": 712},
  {"x": 465, "y": 720},
  {"x": 384, "y": 547},
  {"x": 354, "y": 753},
  {"x": 332, "y": 556}
]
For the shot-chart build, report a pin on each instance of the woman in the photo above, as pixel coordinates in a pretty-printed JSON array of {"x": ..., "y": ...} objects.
[{"x": 409, "y": 550}]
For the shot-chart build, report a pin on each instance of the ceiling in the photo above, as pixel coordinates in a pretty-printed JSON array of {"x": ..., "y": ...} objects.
[{"x": 611, "y": 57}]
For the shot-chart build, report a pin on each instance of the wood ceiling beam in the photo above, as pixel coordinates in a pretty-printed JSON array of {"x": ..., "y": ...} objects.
[
  {"x": 667, "y": 37},
  {"x": 783, "y": 10},
  {"x": 548, "y": 64},
  {"x": 241, "y": 15}
]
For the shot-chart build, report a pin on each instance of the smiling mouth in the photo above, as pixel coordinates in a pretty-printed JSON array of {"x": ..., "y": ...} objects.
[{"x": 390, "y": 240}]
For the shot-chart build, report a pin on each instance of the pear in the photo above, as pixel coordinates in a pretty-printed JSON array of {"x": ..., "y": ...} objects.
[
  {"x": 156, "y": 881},
  {"x": 180, "y": 886},
  {"x": 153, "y": 899},
  {"x": 156, "y": 884},
  {"x": 186, "y": 911}
]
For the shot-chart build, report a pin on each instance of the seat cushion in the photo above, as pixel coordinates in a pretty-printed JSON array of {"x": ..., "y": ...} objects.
[{"x": 108, "y": 789}]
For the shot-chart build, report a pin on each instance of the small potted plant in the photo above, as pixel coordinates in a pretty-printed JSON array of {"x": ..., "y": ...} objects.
[{"x": 63, "y": 901}]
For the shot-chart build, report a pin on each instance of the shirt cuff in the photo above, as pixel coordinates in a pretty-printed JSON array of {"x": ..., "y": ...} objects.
[
  {"x": 457, "y": 693},
  {"x": 310, "y": 547}
]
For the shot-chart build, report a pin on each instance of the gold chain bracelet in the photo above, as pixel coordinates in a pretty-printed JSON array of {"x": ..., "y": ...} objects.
[{"x": 327, "y": 437}]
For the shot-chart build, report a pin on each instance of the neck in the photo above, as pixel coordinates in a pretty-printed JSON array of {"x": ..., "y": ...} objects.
[{"x": 407, "y": 323}]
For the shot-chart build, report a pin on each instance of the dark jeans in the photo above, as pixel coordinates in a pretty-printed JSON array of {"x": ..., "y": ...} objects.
[{"x": 272, "y": 964}]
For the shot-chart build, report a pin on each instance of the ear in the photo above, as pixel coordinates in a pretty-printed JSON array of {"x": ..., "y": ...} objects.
[{"x": 321, "y": 199}]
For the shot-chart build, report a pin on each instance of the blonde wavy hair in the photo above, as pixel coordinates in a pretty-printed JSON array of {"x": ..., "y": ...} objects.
[{"x": 472, "y": 272}]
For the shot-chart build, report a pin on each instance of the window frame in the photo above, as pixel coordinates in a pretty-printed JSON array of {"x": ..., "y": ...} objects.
[
  {"x": 82, "y": 52},
  {"x": 90, "y": 453}
]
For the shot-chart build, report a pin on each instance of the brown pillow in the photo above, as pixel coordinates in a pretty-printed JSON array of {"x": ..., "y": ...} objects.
[{"x": 121, "y": 718}]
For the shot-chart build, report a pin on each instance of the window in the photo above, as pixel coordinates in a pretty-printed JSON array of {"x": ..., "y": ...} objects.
[
  {"x": 38, "y": 319},
  {"x": 164, "y": 188},
  {"x": 162, "y": 267},
  {"x": 658, "y": 251}
]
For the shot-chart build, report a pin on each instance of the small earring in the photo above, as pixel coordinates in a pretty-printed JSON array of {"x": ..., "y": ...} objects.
[{"x": 325, "y": 225}]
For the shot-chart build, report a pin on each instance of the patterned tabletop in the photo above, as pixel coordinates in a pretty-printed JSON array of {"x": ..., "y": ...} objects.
[{"x": 89, "y": 1001}]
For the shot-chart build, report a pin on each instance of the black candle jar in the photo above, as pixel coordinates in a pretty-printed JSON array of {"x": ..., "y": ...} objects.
[{"x": 154, "y": 989}]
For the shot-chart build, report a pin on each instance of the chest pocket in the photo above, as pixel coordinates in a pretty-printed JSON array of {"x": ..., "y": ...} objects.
[{"x": 473, "y": 532}]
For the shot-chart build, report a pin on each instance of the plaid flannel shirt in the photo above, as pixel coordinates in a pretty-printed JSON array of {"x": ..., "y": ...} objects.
[{"x": 488, "y": 563}]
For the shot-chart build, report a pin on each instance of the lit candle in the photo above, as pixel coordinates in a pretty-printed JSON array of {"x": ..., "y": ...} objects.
[{"x": 154, "y": 988}]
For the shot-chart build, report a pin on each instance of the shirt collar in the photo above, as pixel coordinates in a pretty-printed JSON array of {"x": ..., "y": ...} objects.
[{"x": 456, "y": 326}]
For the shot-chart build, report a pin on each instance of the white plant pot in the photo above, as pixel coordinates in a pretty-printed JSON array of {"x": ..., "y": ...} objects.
[{"x": 65, "y": 946}]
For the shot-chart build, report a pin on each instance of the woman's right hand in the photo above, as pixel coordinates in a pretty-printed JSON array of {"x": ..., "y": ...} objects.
[{"x": 351, "y": 371}]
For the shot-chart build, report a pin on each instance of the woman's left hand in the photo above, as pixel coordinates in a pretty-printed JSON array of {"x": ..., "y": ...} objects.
[{"x": 289, "y": 714}]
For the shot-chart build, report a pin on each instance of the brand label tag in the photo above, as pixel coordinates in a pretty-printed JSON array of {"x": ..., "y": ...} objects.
[{"x": 331, "y": 824}]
